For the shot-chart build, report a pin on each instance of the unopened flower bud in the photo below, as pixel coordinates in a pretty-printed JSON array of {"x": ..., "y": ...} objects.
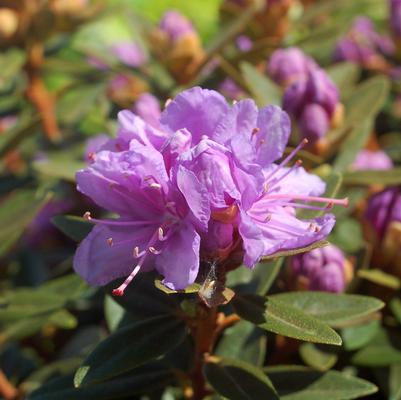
[
  {"x": 324, "y": 269},
  {"x": 367, "y": 159}
]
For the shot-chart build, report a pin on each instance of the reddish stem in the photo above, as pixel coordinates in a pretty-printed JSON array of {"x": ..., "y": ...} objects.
[{"x": 7, "y": 390}]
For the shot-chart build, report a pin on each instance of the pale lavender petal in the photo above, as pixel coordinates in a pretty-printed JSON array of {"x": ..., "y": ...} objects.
[
  {"x": 129, "y": 53},
  {"x": 196, "y": 109},
  {"x": 367, "y": 159},
  {"x": 148, "y": 108}
]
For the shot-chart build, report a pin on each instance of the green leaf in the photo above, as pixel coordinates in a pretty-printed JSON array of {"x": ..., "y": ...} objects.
[
  {"x": 352, "y": 144},
  {"x": 194, "y": 288},
  {"x": 243, "y": 341},
  {"x": 130, "y": 347},
  {"x": 334, "y": 309},
  {"x": 261, "y": 87},
  {"x": 344, "y": 75},
  {"x": 395, "y": 382},
  {"x": 58, "y": 167},
  {"x": 288, "y": 253},
  {"x": 11, "y": 61},
  {"x": 282, "y": 319},
  {"x": 371, "y": 177},
  {"x": 317, "y": 357},
  {"x": 17, "y": 211},
  {"x": 238, "y": 380},
  {"x": 143, "y": 380},
  {"x": 347, "y": 235},
  {"x": 113, "y": 313},
  {"x": 300, "y": 383},
  {"x": 395, "y": 306},
  {"x": 380, "y": 278},
  {"x": 367, "y": 99},
  {"x": 382, "y": 351},
  {"x": 75, "y": 228},
  {"x": 359, "y": 336}
]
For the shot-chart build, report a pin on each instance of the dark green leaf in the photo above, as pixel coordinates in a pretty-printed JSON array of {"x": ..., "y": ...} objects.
[
  {"x": 243, "y": 341},
  {"x": 347, "y": 235},
  {"x": 130, "y": 347},
  {"x": 238, "y": 380},
  {"x": 282, "y": 319},
  {"x": 334, "y": 309},
  {"x": 395, "y": 382},
  {"x": 380, "y": 278},
  {"x": 75, "y": 228},
  {"x": 300, "y": 383},
  {"x": 262, "y": 88},
  {"x": 395, "y": 306},
  {"x": 316, "y": 357},
  {"x": 358, "y": 336}
]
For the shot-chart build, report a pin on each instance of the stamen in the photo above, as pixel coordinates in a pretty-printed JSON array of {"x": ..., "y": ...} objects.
[
  {"x": 110, "y": 241},
  {"x": 288, "y": 158},
  {"x": 153, "y": 250},
  {"x": 120, "y": 290},
  {"x": 116, "y": 222},
  {"x": 168, "y": 101},
  {"x": 307, "y": 206},
  {"x": 91, "y": 156},
  {"x": 138, "y": 254},
  {"x": 161, "y": 235},
  {"x": 255, "y": 131},
  {"x": 87, "y": 216},
  {"x": 155, "y": 186}
]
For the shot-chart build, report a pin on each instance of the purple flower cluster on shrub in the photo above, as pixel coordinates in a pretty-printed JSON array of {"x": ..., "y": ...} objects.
[{"x": 201, "y": 184}]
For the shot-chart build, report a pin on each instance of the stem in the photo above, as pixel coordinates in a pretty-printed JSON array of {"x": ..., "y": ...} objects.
[{"x": 7, "y": 390}]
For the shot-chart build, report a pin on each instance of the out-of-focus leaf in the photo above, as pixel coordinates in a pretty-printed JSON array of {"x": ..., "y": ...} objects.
[
  {"x": 261, "y": 87},
  {"x": 395, "y": 306},
  {"x": 382, "y": 351},
  {"x": 243, "y": 341},
  {"x": 283, "y": 319},
  {"x": 113, "y": 313},
  {"x": 74, "y": 227},
  {"x": 371, "y": 177},
  {"x": 194, "y": 288},
  {"x": 238, "y": 380},
  {"x": 59, "y": 167},
  {"x": 316, "y": 357},
  {"x": 352, "y": 144},
  {"x": 344, "y": 75},
  {"x": 355, "y": 337},
  {"x": 367, "y": 100},
  {"x": 380, "y": 278},
  {"x": 395, "y": 382},
  {"x": 123, "y": 387},
  {"x": 16, "y": 212},
  {"x": 10, "y": 62},
  {"x": 347, "y": 235},
  {"x": 300, "y": 383},
  {"x": 334, "y": 309},
  {"x": 287, "y": 253},
  {"x": 130, "y": 347}
]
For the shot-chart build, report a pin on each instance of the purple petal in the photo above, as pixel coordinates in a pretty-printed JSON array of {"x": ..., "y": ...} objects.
[
  {"x": 148, "y": 108},
  {"x": 99, "y": 263},
  {"x": 129, "y": 53},
  {"x": 196, "y": 109},
  {"x": 179, "y": 260}
]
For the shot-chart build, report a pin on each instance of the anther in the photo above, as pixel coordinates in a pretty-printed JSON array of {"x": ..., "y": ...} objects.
[
  {"x": 87, "y": 216},
  {"x": 168, "y": 101},
  {"x": 161, "y": 236},
  {"x": 268, "y": 217},
  {"x": 155, "y": 186},
  {"x": 255, "y": 131},
  {"x": 153, "y": 250},
  {"x": 91, "y": 156},
  {"x": 110, "y": 241},
  {"x": 261, "y": 141}
]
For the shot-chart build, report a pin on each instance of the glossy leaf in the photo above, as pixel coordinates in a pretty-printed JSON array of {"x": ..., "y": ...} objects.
[
  {"x": 283, "y": 319},
  {"x": 238, "y": 380},
  {"x": 130, "y": 347},
  {"x": 300, "y": 383},
  {"x": 334, "y": 309}
]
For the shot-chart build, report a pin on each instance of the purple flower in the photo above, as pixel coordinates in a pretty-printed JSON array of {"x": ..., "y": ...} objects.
[
  {"x": 395, "y": 17},
  {"x": 244, "y": 43},
  {"x": 363, "y": 45},
  {"x": 148, "y": 108},
  {"x": 384, "y": 208},
  {"x": 230, "y": 89},
  {"x": 175, "y": 25},
  {"x": 367, "y": 159},
  {"x": 129, "y": 53},
  {"x": 312, "y": 102},
  {"x": 206, "y": 176},
  {"x": 322, "y": 269},
  {"x": 157, "y": 224},
  {"x": 93, "y": 145},
  {"x": 288, "y": 65}
]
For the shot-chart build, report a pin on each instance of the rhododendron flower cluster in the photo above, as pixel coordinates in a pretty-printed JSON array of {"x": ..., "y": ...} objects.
[{"x": 204, "y": 183}]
